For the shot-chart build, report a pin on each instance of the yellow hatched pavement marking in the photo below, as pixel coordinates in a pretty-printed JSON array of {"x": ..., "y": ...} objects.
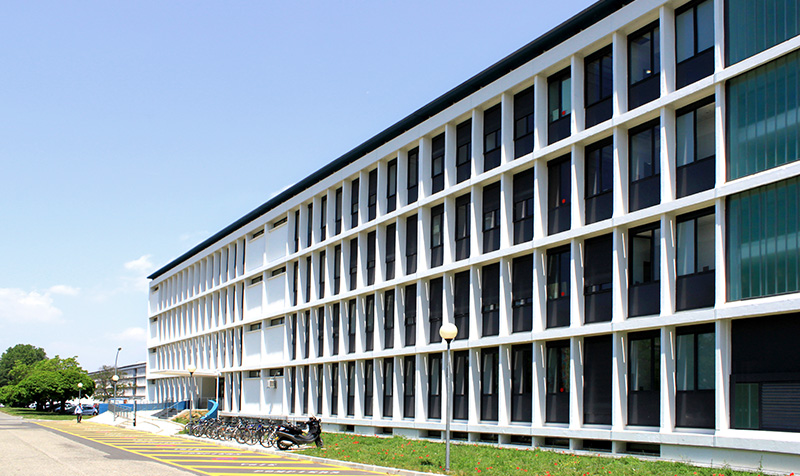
[{"x": 218, "y": 454}]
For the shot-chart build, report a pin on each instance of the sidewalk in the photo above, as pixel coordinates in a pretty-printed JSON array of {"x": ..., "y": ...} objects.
[{"x": 144, "y": 422}]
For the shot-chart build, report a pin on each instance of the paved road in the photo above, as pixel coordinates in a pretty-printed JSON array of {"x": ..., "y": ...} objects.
[{"x": 65, "y": 448}]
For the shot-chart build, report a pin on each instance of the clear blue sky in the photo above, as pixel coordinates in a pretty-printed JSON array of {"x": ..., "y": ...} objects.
[{"x": 131, "y": 131}]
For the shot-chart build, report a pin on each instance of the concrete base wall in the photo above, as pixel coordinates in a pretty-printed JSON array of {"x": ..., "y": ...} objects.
[{"x": 735, "y": 459}]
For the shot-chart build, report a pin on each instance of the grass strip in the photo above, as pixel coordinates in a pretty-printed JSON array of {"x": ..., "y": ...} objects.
[
  {"x": 472, "y": 459},
  {"x": 33, "y": 414}
]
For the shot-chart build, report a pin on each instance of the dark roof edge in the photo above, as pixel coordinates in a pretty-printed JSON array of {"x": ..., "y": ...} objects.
[{"x": 559, "y": 34}]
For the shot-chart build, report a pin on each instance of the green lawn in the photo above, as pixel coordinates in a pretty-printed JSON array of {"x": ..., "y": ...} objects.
[
  {"x": 31, "y": 413},
  {"x": 427, "y": 456}
]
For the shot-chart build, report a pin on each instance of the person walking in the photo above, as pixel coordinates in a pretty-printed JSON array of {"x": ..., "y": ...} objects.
[{"x": 78, "y": 412}]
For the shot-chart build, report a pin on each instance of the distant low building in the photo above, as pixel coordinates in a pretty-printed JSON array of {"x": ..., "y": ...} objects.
[{"x": 132, "y": 381}]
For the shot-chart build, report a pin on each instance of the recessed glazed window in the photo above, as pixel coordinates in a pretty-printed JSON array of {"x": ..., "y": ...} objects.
[
  {"x": 321, "y": 274},
  {"x": 521, "y": 382},
  {"x": 696, "y": 148},
  {"x": 353, "y": 263},
  {"x": 523, "y": 123},
  {"x": 645, "y": 166},
  {"x": 522, "y": 293},
  {"x": 644, "y": 66},
  {"x": 310, "y": 225},
  {"x": 337, "y": 269},
  {"x": 320, "y": 331},
  {"x": 412, "y": 173},
  {"x": 437, "y": 163},
  {"x": 558, "y": 195},
  {"x": 558, "y": 264},
  {"x": 644, "y": 268},
  {"x": 695, "y": 260},
  {"x": 372, "y": 195},
  {"x": 597, "y": 265},
  {"x": 354, "y": 191},
  {"x": 437, "y": 236},
  {"x": 351, "y": 388},
  {"x": 490, "y": 299},
  {"x": 599, "y": 181},
  {"x": 391, "y": 186},
  {"x": 599, "y": 86},
  {"x": 369, "y": 322},
  {"x": 597, "y": 379},
  {"x": 411, "y": 244},
  {"x": 371, "y": 245},
  {"x": 462, "y": 226},
  {"x": 460, "y": 386},
  {"x": 388, "y": 387},
  {"x": 308, "y": 279},
  {"x": 557, "y": 393},
  {"x": 337, "y": 211},
  {"x": 559, "y": 106},
  {"x": 388, "y": 319},
  {"x": 694, "y": 376},
  {"x": 410, "y": 317},
  {"x": 644, "y": 377},
  {"x": 369, "y": 382},
  {"x": 435, "y": 386},
  {"x": 491, "y": 217},
  {"x": 694, "y": 42},
  {"x": 323, "y": 218},
  {"x": 296, "y": 231},
  {"x": 490, "y": 367},
  {"x": 352, "y": 317},
  {"x": 391, "y": 244},
  {"x": 305, "y": 394},
  {"x": 461, "y": 288},
  {"x": 491, "y": 137},
  {"x": 409, "y": 371},
  {"x": 320, "y": 383},
  {"x": 336, "y": 318},
  {"x": 435, "y": 309},
  {"x": 295, "y": 281},
  {"x": 523, "y": 207},
  {"x": 463, "y": 151}
]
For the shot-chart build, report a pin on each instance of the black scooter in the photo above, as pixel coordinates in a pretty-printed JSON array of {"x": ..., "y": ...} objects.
[{"x": 286, "y": 439}]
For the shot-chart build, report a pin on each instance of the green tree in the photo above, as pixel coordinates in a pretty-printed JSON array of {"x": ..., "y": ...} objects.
[
  {"x": 50, "y": 380},
  {"x": 20, "y": 353},
  {"x": 104, "y": 385}
]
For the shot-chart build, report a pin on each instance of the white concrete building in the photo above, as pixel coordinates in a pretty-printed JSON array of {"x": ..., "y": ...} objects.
[{"x": 610, "y": 217}]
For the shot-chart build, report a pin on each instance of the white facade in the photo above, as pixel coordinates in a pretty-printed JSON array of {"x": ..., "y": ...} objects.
[{"x": 228, "y": 307}]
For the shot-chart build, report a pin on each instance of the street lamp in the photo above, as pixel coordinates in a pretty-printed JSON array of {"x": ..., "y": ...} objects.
[
  {"x": 80, "y": 387},
  {"x": 191, "y": 370},
  {"x": 448, "y": 332},
  {"x": 115, "y": 378}
]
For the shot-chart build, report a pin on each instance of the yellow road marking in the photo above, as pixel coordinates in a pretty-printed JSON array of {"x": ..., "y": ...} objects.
[{"x": 179, "y": 453}]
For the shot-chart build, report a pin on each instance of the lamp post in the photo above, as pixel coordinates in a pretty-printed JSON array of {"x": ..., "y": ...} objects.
[
  {"x": 80, "y": 387},
  {"x": 448, "y": 332},
  {"x": 115, "y": 378},
  {"x": 191, "y": 370}
]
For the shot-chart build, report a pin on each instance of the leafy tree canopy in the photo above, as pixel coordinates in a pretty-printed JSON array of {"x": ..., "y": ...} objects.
[
  {"x": 50, "y": 380},
  {"x": 20, "y": 353}
]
